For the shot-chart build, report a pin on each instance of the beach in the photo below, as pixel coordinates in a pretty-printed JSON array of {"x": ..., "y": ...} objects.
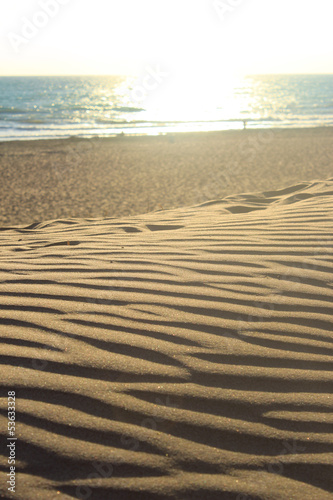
[
  {"x": 166, "y": 316},
  {"x": 120, "y": 176}
]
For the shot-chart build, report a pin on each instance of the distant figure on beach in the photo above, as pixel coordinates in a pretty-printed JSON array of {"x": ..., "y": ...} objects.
[{"x": 244, "y": 123}]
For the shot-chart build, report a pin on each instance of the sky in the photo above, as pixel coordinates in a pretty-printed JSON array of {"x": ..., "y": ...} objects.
[{"x": 187, "y": 37}]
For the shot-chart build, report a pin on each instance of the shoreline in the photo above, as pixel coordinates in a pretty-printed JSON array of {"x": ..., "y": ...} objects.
[{"x": 319, "y": 128}]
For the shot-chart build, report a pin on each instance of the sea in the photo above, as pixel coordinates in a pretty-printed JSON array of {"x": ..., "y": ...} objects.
[{"x": 88, "y": 106}]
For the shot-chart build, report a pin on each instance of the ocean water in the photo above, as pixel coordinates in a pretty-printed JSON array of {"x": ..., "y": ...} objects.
[{"x": 53, "y": 107}]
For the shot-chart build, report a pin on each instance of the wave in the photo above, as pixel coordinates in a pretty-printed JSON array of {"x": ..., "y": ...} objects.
[
  {"x": 12, "y": 111},
  {"x": 32, "y": 128},
  {"x": 128, "y": 109},
  {"x": 33, "y": 121}
]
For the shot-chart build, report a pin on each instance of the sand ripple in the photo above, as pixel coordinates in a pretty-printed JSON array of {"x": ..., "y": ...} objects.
[{"x": 181, "y": 354}]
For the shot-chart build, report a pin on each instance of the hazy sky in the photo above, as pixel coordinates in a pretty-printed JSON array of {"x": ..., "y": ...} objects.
[{"x": 49, "y": 37}]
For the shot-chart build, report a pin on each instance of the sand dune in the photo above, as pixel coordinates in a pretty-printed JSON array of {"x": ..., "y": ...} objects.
[{"x": 181, "y": 354}]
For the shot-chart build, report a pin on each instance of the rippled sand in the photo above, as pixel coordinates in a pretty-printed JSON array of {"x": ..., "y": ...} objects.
[{"x": 181, "y": 354}]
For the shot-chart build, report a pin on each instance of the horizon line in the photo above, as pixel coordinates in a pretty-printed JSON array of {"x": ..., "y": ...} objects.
[{"x": 135, "y": 74}]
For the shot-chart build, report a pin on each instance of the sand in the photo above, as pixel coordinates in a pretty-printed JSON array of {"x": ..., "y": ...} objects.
[
  {"x": 116, "y": 177},
  {"x": 178, "y": 354}
]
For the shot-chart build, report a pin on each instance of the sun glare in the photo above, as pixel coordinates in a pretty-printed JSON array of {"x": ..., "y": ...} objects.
[{"x": 199, "y": 37}]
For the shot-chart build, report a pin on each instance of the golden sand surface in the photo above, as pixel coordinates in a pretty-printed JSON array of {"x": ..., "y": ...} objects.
[
  {"x": 114, "y": 177},
  {"x": 182, "y": 354}
]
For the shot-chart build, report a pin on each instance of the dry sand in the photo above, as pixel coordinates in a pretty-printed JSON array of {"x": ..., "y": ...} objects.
[
  {"x": 182, "y": 354},
  {"x": 42, "y": 180}
]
